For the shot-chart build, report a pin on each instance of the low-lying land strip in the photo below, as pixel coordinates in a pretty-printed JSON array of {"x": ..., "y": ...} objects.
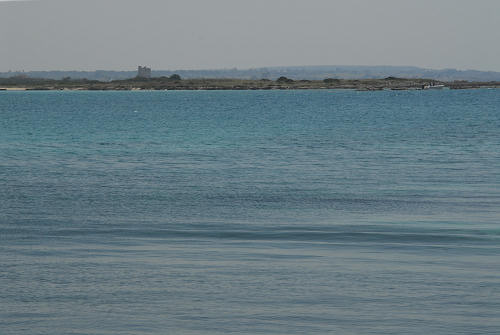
[{"x": 283, "y": 83}]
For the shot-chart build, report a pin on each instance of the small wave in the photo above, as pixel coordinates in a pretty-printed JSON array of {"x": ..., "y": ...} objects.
[{"x": 288, "y": 235}]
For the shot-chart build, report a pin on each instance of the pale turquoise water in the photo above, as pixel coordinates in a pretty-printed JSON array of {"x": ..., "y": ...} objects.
[{"x": 291, "y": 212}]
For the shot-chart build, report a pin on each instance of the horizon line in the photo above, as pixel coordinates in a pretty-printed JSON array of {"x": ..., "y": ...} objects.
[{"x": 253, "y": 68}]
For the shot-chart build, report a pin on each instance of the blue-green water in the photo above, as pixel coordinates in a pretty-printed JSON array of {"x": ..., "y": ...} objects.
[{"x": 291, "y": 212}]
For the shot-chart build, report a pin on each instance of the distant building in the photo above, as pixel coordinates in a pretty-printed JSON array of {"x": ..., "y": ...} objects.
[{"x": 143, "y": 72}]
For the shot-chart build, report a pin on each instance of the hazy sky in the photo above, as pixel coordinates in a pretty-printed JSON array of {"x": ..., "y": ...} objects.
[{"x": 194, "y": 34}]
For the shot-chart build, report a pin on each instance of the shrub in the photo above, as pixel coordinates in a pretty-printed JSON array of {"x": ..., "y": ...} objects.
[{"x": 284, "y": 80}]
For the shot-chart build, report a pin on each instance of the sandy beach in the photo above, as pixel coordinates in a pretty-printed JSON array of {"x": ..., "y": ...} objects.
[{"x": 12, "y": 88}]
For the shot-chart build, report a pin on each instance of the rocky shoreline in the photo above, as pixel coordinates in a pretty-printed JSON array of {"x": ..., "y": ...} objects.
[{"x": 283, "y": 83}]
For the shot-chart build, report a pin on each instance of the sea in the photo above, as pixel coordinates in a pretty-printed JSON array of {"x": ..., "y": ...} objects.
[{"x": 250, "y": 212}]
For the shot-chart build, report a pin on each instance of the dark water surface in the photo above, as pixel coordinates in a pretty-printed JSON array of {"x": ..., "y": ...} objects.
[{"x": 291, "y": 212}]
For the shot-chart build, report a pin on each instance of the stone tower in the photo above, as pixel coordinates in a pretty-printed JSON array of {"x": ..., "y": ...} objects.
[{"x": 143, "y": 72}]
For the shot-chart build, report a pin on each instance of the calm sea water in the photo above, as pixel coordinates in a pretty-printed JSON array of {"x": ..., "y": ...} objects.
[{"x": 291, "y": 212}]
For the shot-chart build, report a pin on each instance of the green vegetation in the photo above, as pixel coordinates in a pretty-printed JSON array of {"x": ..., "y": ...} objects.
[
  {"x": 284, "y": 80},
  {"x": 175, "y": 82}
]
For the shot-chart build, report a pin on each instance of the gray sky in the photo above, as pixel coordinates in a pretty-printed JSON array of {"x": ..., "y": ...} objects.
[{"x": 194, "y": 34}]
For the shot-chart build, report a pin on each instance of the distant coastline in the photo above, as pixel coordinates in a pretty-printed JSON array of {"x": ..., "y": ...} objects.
[
  {"x": 282, "y": 83},
  {"x": 318, "y": 72}
]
